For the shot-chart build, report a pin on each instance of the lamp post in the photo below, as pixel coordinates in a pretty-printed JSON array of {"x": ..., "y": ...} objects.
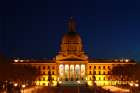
[
  {"x": 61, "y": 88},
  {"x": 23, "y": 86},
  {"x": 15, "y": 84},
  {"x": 136, "y": 86},
  {"x": 78, "y": 86},
  {"x": 133, "y": 86}
]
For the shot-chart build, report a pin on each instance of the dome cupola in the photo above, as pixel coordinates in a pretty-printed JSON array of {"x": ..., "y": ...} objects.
[{"x": 71, "y": 44}]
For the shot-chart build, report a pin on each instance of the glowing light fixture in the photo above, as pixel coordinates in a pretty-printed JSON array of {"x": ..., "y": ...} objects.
[
  {"x": 15, "y": 84},
  {"x": 60, "y": 82},
  {"x": 23, "y": 86},
  {"x": 136, "y": 85},
  {"x": 16, "y": 60},
  {"x": 78, "y": 82},
  {"x": 127, "y": 60},
  {"x": 131, "y": 84}
]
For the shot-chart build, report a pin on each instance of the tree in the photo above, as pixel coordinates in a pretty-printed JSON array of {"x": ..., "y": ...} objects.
[
  {"x": 137, "y": 73},
  {"x": 14, "y": 72},
  {"x": 123, "y": 72}
]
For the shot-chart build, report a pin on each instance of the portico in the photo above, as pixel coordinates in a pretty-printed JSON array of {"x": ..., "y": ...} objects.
[{"x": 72, "y": 72}]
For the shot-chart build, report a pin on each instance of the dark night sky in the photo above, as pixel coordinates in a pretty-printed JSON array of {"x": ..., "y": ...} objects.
[{"x": 34, "y": 28}]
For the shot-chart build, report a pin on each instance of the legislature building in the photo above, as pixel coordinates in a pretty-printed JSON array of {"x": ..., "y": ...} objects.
[{"x": 72, "y": 66}]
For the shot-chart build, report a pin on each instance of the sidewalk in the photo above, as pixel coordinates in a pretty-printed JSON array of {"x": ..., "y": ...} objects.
[
  {"x": 116, "y": 89},
  {"x": 31, "y": 89}
]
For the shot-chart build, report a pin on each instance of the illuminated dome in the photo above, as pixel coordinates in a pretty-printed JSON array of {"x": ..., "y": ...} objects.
[
  {"x": 71, "y": 42},
  {"x": 71, "y": 37}
]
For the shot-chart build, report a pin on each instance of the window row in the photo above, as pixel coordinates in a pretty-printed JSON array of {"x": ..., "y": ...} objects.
[
  {"x": 100, "y": 67},
  {"x": 99, "y": 73},
  {"x": 45, "y": 67},
  {"x": 100, "y": 78},
  {"x": 46, "y": 79},
  {"x": 47, "y": 73}
]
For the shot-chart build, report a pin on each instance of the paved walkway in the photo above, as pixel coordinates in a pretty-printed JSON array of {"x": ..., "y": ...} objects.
[{"x": 116, "y": 89}]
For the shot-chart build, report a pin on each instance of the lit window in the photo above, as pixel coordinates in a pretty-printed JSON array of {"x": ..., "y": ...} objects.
[
  {"x": 104, "y": 78},
  {"x": 103, "y": 67},
  {"x": 89, "y": 67},
  {"x": 48, "y": 67},
  {"x": 94, "y": 78},
  {"x": 99, "y": 72},
  {"x": 90, "y": 78},
  {"x": 90, "y": 72},
  {"x": 43, "y": 73},
  {"x": 109, "y": 67},
  {"x": 49, "y": 72},
  {"x": 43, "y": 67},
  {"x": 108, "y": 72},
  {"x": 43, "y": 84},
  {"x": 52, "y": 78},
  {"x": 109, "y": 78},
  {"x": 39, "y": 79},
  {"x": 53, "y": 72},
  {"x": 99, "y": 67},
  {"x": 94, "y": 72},
  {"x": 104, "y": 73},
  {"x": 43, "y": 78},
  {"x": 53, "y": 67},
  {"x": 39, "y": 67}
]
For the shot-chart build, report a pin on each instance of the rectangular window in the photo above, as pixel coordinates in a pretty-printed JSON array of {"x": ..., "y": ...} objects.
[
  {"x": 43, "y": 67},
  {"x": 104, "y": 78},
  {"x": 104, "y": 73},
  {"x": 108, "y": 72},
  {"x": 89, "y": 67},
  {"x": 99, "y": 67},
  {"x": 99, "y": 78},
  {"x": 39, "y": 67},
  {"x": 99, "y": 72},
  {"x": 48, "y": 67},
  {"x": 43, "y": 78},
  {"x": 94, "y": 72},
  {"x": 103, "y": 67},
  {"x": 43, "y": 73},
  {"x": 109, "y": 67},
  {"x": 53, "y": 72},
  {"x": 90, "y": 72},
  {"x": 53, "y": 67}
]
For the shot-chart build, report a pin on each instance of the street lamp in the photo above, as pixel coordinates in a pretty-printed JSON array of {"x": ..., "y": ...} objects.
[
  {"x": 136, "y": 85},
  {"x": 60, "y": 82},
  {"x": 61, "y": 87},
  {"x": 23, "y": 86},
  {"x": 78, "y": 86},
  {"x": 133, "y": 86},
  {"x": 15, "y": 84}
]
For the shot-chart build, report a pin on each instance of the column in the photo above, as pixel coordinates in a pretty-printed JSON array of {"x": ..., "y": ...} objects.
[
  {"x": 69, "y": 73},
  {"x": 64, "y": 72},
  {"x": 80, "y": 72},
  {"x": 74, "y": 73}
]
